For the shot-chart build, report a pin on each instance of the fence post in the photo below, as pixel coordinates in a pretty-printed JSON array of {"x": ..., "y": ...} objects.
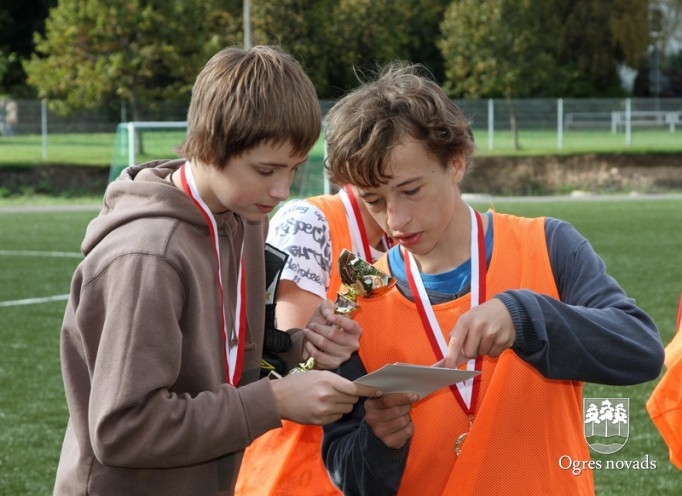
[
  {"x": 43, "y": 125},
  {"x": 491, "y": 122},
  {"x": 560, "y": 123},
  {"x": 131, "y": 143},
  {"x": 628, "y": 121}
]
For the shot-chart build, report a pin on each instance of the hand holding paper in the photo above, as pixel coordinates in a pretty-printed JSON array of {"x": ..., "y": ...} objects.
[{"x": 420, "y": 379}]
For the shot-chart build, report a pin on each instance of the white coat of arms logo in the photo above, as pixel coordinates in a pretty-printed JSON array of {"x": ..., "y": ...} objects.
[{"x": 606, "y": 423}]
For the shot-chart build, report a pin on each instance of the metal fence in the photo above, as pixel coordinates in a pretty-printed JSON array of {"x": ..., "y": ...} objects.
[
  {"x": 572, "y": 113},
  {"x": 559, "y": 119},
  {"x": 35, "y": 117},
  {"x": 565, "y": 116}
]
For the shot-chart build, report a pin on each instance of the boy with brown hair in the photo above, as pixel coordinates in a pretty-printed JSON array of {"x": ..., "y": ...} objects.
[
  {"x": 163, "y": 333},
  {"x": 526, "y": 302}
]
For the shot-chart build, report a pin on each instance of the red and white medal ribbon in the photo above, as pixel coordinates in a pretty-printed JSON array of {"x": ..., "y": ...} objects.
[
  {"x": 233, "y": 339},
  {"x": 358, "y": 233},
  {"x": 465, "y": 392}
]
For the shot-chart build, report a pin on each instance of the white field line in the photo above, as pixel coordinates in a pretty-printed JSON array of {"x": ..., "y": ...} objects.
[
  {"x": 22, "y": 253},
  {"x": 48, "y": 208},
  {"x": 31, "y": 301},
  {"x": 46, "y": 299}
]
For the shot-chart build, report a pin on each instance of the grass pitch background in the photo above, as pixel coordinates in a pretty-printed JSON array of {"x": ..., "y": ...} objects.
[{"x": 639, "y": 239}]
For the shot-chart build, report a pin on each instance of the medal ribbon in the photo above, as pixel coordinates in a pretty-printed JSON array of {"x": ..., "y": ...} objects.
[
  {"x": 233, "y": 341},
  {"x": 466, "y": 392},
  {"x": 357, "y": 227},
  {"x": 358, "y": 233}
]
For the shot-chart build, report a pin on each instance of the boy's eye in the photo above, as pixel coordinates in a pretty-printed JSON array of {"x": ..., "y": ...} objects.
[
  {"x": 373, "y": 201},
  {"x": 266, "y": 172},
  {"x": 412, "y": 191}
]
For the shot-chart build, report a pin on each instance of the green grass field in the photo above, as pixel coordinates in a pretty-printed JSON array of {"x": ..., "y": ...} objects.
[
  {"x": 82, "y": 149},
  {"x": 543, "y": 142},
  {"x": 106, "y": 149},
  {"x": 639, "y": 239},
  {"x": 111, "y": 150}
]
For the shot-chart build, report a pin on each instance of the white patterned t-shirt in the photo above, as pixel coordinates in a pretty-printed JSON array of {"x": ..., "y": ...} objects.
[{"x": 301, "y": 230}]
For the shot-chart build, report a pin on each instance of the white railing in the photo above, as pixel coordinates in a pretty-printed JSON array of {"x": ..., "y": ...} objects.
[{"x": 620, "y": 119}]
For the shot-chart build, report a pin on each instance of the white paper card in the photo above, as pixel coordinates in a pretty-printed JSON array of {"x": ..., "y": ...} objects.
[{"x": 408, "y": 378}]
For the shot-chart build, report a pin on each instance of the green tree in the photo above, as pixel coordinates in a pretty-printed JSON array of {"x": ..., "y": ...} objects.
[
  {"x": 18, "y": 22},
  {"x": 301, "y": 28},
  {"x": 5, "y": 54},
  {"x": 335, "y": 39},
  {"x": 569, "y": 48},
  {"x": 331, "y": 38},
  {"x": 95, "y": 51},
  {"x": 493, "y": 48},
  {"x": 367, "y": 38},
  {"x": 5, "y": 61},
  {"x": 592, "y": 39},
  {"x": 524, "y": 48},
  {"x": 423, "y": 28},
  {"x": 368, "y": 35}
]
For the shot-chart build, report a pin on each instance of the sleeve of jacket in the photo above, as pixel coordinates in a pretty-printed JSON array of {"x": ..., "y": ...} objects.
[
  {"x": 594, "y": 332},
  {"x": 357, "y": 461},
  {"x": 139, "y": 417}
]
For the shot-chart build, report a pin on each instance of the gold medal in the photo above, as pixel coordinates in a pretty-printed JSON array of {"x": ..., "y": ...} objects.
[
  {"x": 462, "y": 437},
  {"x": 465, "y": 394},
  {"x": 459, "y": 442}
]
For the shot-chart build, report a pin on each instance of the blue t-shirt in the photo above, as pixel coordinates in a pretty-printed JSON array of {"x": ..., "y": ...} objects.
[{"x": 445, "y": 286}]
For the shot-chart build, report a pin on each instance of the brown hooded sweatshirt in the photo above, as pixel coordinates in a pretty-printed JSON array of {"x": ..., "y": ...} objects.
[{"x": 141, "y": 347}]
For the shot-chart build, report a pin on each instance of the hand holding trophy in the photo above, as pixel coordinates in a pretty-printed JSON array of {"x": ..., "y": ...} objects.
[{"x": 359, "y": 278}]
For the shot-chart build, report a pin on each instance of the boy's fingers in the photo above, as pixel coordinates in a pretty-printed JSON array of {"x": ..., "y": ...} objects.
[{"x": 369, "y": 391}]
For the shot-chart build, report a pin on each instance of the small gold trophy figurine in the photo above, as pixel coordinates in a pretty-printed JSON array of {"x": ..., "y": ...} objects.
[{"x": 359, "y": 278}]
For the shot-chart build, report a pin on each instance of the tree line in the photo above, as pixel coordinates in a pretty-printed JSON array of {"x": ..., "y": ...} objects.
[{"x": 83, "y": 53}]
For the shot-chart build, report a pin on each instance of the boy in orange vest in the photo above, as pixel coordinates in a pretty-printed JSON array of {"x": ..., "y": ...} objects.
[
  {"x": 665, "y": 403},
  {"x": 525, "y": 301},
  {"x": 312, "y": 232}
]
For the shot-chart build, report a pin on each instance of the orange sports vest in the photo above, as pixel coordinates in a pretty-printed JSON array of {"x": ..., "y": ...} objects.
[
  {"x": 339, "y": 232},
  {"x": 524, "y": 423},
  {"x": 665, "y": 403},
  {"x": 288, "y": 461}
]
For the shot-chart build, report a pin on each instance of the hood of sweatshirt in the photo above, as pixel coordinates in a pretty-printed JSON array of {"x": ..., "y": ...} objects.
[{"x": 144, "y": 191}]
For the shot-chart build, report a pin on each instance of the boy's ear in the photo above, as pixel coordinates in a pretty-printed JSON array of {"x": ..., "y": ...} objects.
[{"x": 458, "y": 163}]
